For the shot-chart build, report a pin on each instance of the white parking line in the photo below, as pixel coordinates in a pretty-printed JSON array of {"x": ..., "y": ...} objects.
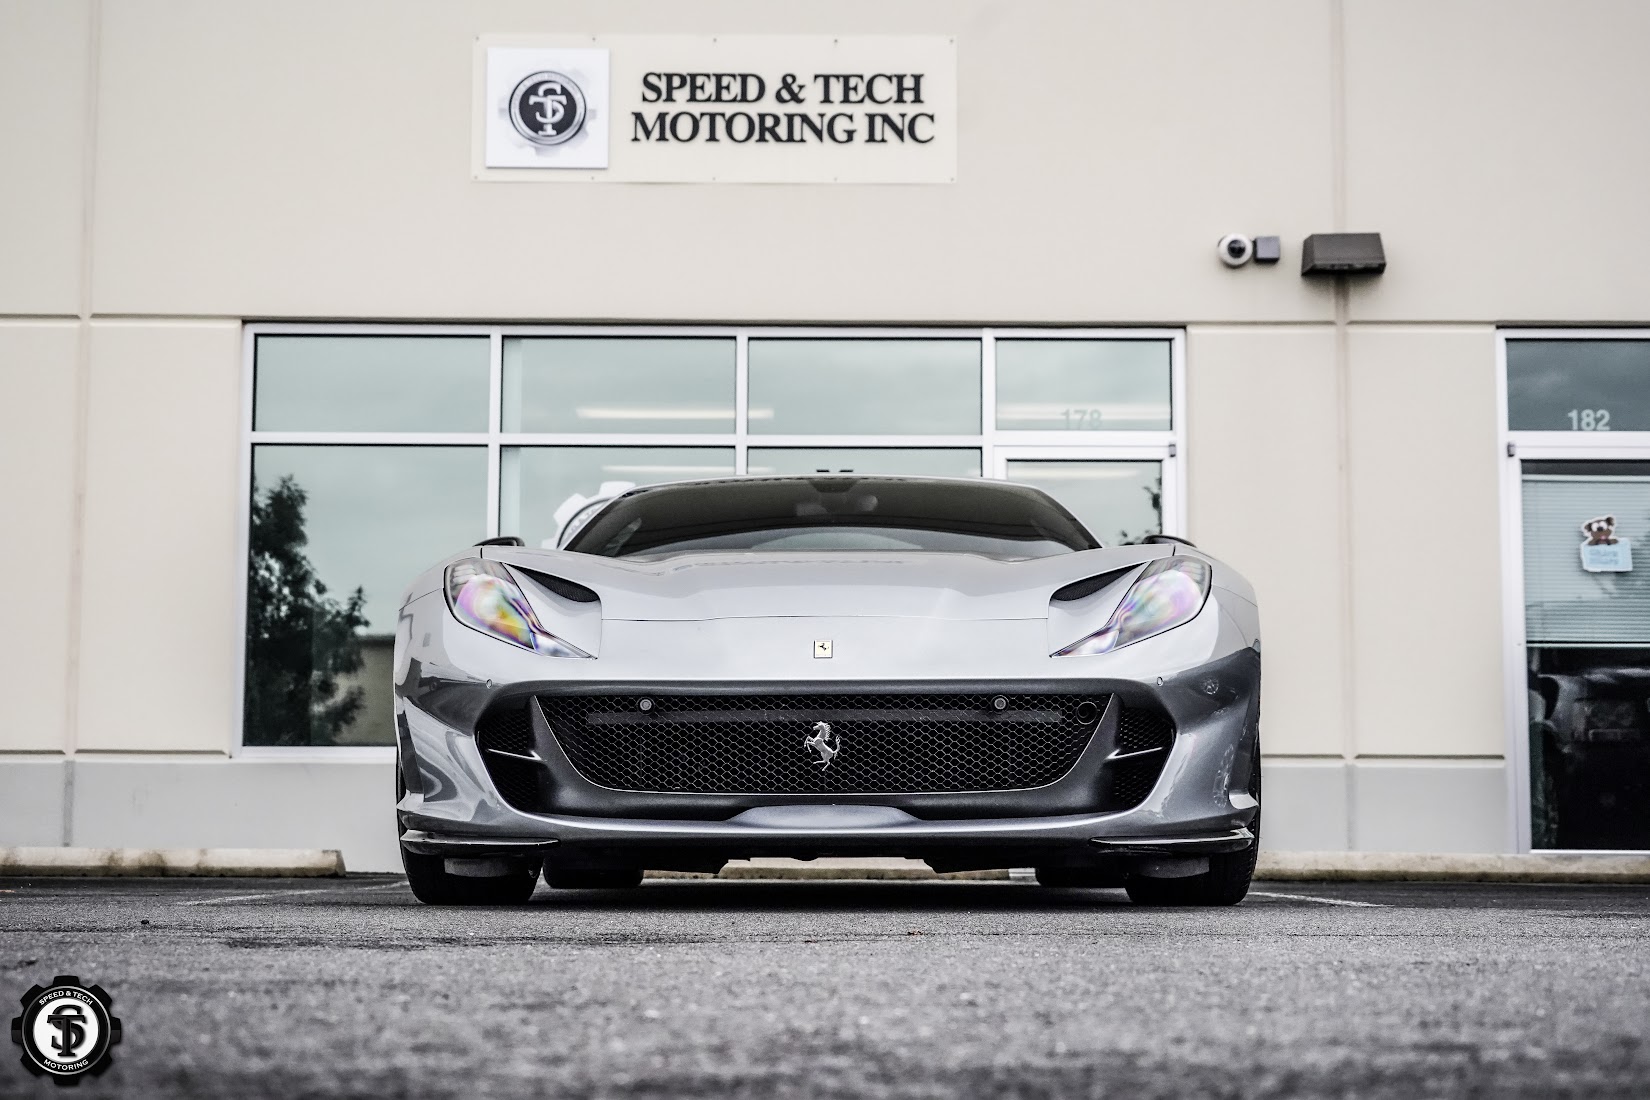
[
  {"x": 1320, "y": 901},
  {"x": 295, "y": 893}
]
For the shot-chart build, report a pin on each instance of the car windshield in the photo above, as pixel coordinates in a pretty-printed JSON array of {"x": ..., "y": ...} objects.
[{"x": 837, "y": 513}]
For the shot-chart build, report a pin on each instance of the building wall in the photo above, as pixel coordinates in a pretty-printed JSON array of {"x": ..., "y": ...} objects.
[{"x": 175, "y": 169}]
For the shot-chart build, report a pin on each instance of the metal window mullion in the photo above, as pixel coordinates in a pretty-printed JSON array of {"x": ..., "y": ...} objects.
[
  {"x": 374, "y": 439},
  {"x": 618, "y": 439},
  {"x": 988, "y": 403},
  {"x": 894, "y": 442},
  {"x": 741, "y": 402},
  {"x": 237, "y": 715},
  {"x": 495, "y": 420},
  {"x": 1174, "y": 470}
]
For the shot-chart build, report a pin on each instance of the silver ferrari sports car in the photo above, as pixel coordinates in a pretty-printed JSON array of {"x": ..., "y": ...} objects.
[{"x": 950, "y": 670}]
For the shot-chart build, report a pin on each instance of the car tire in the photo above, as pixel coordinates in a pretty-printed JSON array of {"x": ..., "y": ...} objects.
[
  {"x": 1226, "y": 882},
  {"x": 592, "y": 878},
  {"x": 431, "y": 884}
]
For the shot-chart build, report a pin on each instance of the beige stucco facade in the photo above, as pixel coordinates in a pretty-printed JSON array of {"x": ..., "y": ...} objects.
[{"x": 175, "y": 170}]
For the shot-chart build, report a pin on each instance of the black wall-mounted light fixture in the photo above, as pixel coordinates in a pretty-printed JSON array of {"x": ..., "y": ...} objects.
[{"x": 1343, "y": 254}]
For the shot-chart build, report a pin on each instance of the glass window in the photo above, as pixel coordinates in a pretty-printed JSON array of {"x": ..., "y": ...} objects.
[
  {"x": 632, "y": 384},
  {"x": 336, "y": 534},
  {"x": 370, "y": 384},
  {"x": 1083, "y": 385},
  {"x": 1564, "y": 602},
  {"x": 344, "y": 513},
  {"x": 864, "y": 387},
  {"x": 1117, "y": 501},
  {"x": 912, "y": 461},
  {"x": 1578, "y": 385},
  {"x": 540, "y": 488}
]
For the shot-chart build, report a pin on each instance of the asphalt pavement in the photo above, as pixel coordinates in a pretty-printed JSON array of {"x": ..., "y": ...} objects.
[{"x": 342, "y": 988}]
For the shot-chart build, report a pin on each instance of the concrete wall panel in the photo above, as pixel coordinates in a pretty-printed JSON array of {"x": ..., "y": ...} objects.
[
  {"x": 1104, "y": 148},
  {"x": 37, "y": 500},
  {"x": 1430, "y": 806},
  {"x": 1494, "y": 144},
  {"x": 1264, "y": 493},
  {"x": 31, "y": 801},
  {"x": 196, "y": 803},
  {"x": 44, "y": 63},
  {"x": 1304, "y": 806},
  {"x": 1425, "y": 554},
  {"x": 159, "y": 652}
]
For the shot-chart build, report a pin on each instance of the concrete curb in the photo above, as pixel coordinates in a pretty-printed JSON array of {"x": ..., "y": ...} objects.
[
  {"x": 172, "y": 862},
  {"x": 1427, "y": 867},
  {"x": 1274, "y": 867},
  {"x": 855, "y": 868}
]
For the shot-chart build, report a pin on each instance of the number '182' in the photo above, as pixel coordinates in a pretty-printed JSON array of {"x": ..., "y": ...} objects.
[{"x": 1589, "y": 420}]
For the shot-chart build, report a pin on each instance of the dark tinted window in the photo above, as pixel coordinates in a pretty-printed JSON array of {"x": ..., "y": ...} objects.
[{"x": 859, "y": 514}]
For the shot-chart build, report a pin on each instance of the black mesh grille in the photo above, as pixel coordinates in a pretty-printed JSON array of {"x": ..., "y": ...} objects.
[
  {"x": 509, "y": 730},
  {"x": 517, "y": 781},
  {"x": 888, "y": 743},
  {"x": 1133, "y": 780},
  {"x": 1138, "y": 730}
]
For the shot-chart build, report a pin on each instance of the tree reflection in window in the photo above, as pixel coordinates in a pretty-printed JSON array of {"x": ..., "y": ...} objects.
[{"x": 301, "y": 642}]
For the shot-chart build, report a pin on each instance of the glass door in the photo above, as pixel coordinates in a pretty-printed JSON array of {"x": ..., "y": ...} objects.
[
  {"x": 1577, "y": 506},
  {"x": 1586, "y": 551}
]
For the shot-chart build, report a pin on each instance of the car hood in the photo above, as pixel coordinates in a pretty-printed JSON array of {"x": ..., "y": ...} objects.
[{"x": 729, "y": 585}]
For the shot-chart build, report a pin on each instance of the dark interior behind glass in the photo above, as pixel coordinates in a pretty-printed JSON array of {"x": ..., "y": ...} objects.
[{"x": 835, "y": 513}]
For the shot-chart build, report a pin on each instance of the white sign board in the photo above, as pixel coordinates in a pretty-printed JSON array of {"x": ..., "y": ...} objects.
[
  {"x": 1617, "y": 557},
  {"x": 724, "y": 109}
]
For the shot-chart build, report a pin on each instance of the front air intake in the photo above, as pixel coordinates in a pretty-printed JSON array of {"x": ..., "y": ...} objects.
[{"x": 887, "y": 743}]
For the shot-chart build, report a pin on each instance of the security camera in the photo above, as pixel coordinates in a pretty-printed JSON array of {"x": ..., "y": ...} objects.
[{"x": 1236, "y": 249}]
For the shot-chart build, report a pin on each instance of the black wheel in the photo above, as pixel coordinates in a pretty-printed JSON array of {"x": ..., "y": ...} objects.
[
  {"x": 1226, "y": 882},
  {"x": 592, "y": 878},
  {"x": 432, "y": 885}
]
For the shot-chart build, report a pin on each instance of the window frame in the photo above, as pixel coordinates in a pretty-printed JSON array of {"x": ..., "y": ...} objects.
[
  {"x": 994, "y": 444},
  {"x": 1516, "y": 447}
]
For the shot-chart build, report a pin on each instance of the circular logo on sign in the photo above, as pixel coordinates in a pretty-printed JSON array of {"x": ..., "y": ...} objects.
[
  {"x": 66, "y": 1029},
  {"x": 547, "y": 108}
]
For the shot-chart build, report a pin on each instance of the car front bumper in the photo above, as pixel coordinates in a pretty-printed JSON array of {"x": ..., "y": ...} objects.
[{"x": 1205, "y": 677}]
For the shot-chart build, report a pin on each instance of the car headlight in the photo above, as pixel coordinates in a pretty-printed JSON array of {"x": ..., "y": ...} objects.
[
  {"x": 484, "y": 596},
  {"x": 1168, "y": 593}
]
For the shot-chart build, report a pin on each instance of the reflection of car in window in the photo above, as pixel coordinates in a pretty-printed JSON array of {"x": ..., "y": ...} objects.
[
  {"x": 1590, "y": 749},
  {"x": 953, "y": 670},
  {"x": 578, "y": 510}
]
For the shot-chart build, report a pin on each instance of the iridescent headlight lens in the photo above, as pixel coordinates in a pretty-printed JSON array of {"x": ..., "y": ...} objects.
[
  {"x": 1168, "y": 593},
  {"x": 483, "y": 595}
]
